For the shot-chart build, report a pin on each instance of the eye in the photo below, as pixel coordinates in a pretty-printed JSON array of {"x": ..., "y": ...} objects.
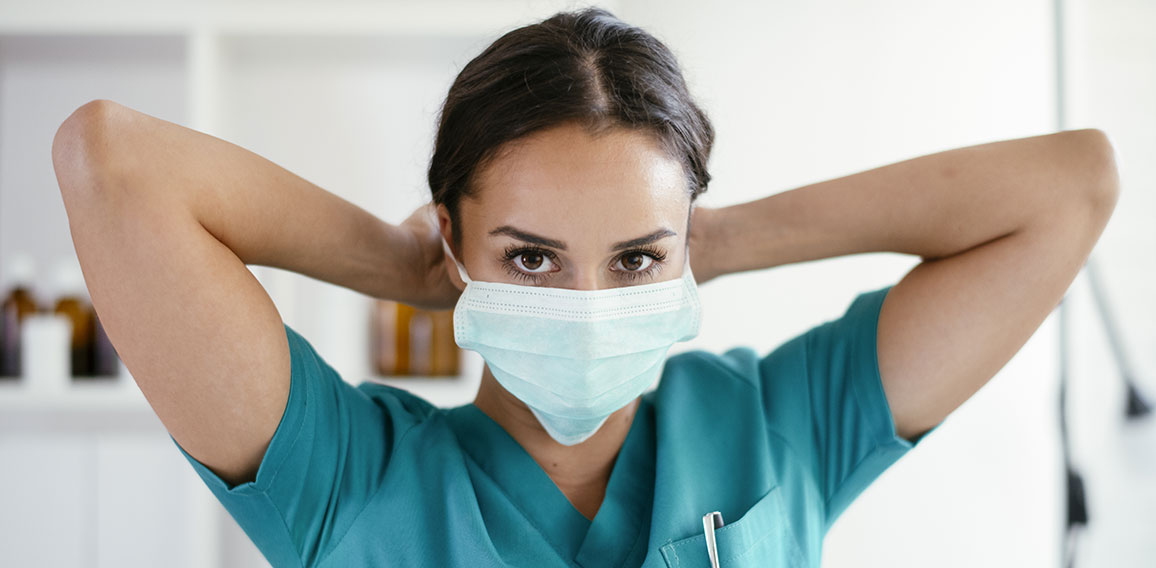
[
  {"x": 533, "y": 261},
  {"x": 635, "y": 261},
  {"x": 640, "y": 263},
  {"x": 528, "y": 263}
]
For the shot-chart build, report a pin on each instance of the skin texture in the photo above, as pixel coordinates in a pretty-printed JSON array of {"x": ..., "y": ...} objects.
[
  {"x": 165, "y": 220},
  {"x": 589, "y": 193},
  {"x": 1003, "y": 229}
]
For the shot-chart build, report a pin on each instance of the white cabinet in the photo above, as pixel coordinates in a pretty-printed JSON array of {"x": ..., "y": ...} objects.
[{"x": 50, "y": 520}]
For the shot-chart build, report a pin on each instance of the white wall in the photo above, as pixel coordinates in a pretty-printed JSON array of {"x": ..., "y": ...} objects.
[{"x": 1111, "y": 83}]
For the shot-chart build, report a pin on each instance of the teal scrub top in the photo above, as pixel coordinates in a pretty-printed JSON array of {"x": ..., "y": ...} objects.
[{"x": 779, "y": 444}]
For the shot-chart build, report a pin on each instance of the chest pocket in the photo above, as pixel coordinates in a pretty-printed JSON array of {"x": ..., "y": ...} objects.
[{"x": 761, "y": 537}]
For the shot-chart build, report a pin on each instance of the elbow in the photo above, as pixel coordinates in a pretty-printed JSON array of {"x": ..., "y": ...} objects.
[
  {"x": 81, "y": 155},
  {"x": 1091, "y": 151}
]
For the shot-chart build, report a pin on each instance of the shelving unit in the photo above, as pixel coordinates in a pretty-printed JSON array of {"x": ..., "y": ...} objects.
[
  {"x": 107, "y": 394},
  {"x": 344, "y": 94},
  {"x": 88, "y": 405},
  {"x": 260, "y": 78}
]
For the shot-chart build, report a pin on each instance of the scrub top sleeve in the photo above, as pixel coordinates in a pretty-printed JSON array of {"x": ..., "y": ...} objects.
[
  {"x": 324, "y": 463},
  {"x": 841, "y": 415}
]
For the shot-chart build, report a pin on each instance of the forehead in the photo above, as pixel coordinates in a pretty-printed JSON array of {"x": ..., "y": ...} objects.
[{"x": 566, "y": 180}]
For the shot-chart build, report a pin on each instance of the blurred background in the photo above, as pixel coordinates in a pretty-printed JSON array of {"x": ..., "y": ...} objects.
[{"x": 346, "y": 93}]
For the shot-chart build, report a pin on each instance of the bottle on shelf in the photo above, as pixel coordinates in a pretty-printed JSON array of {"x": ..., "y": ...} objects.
[
  {"x": 105, "y": 359},
  {"x": 91, "y": 355},
  {"x": 407, "y": 341},
  {"x": 45, "y": 352},
  {"x": 18, "y": 303},
  {"x": 420, "y": 343},
  {"x": 383, "y": 337},
  {"x": 71, "y": 303},
  {"x": 447, "y": 356}
]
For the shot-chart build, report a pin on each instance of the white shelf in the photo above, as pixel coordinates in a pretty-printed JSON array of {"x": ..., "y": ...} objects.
[
  {"x": 120, "y": 409},
  {"x": 112, "y": 406},
  {"x": 101, "y": 393},
  {"x": 114, "y": 396}
]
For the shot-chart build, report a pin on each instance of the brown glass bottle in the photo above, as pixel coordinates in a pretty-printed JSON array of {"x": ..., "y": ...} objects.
[
  {"x": 421, "y": 331},
  {"x": 446, "y": 353},
  {"x": 401, "y": 336},
  {"x": 408, "y": 341},
  {"x": 383, "y": 337},
  {"x": 18, "y": 305},
  {"x": 83, "y": 333},
  {"x": 72, "y": 301},
  {"x": 105, "y": 359}
]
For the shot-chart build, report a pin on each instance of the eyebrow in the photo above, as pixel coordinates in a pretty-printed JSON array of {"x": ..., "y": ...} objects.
[{"x": 552, "y": 243}]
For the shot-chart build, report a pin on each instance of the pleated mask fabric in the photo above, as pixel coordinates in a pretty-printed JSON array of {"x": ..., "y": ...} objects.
[{"x": 575, "y": 356}]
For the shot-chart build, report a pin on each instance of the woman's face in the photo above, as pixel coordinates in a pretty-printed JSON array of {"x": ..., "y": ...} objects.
[{"x": 566, "y": 210}]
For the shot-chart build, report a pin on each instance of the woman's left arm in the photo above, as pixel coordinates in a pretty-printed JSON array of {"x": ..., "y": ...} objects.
[{"x": 1003, "y": 229}]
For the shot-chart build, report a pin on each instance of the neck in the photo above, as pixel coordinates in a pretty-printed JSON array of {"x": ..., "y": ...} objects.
[{"x": 581, "y": 471}]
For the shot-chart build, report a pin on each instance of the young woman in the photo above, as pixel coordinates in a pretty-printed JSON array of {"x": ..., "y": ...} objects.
[{"x": 567, "y": 162}]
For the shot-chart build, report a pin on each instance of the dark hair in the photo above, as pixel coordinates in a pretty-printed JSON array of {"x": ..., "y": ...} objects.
[{"x": 586, "y": 66}]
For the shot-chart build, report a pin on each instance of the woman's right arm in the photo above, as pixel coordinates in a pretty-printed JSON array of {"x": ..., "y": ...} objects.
[{"x": 164, "y": 219}]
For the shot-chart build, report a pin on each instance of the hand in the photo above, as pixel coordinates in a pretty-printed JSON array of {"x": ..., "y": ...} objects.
[{"x": 435, "y": 289}]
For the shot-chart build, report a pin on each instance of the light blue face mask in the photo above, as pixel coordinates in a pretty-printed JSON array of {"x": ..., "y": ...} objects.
[{"x": 575, "y": 356}]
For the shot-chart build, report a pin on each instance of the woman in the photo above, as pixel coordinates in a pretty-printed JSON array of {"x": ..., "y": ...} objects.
[{"x": 567, "y": 162}]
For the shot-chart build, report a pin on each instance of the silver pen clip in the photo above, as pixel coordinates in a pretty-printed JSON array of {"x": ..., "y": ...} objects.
[{"x": 710, "y": 522}]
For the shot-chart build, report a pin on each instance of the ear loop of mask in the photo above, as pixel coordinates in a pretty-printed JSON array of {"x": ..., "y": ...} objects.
[{"x": 461, "y": 268}]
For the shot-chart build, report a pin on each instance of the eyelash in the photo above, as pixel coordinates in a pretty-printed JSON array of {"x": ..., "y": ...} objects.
[{"x": 515, "y": 251}]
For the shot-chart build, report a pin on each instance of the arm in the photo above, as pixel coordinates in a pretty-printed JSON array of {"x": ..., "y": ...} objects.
[
  {"x": 164, "y": 220},
  {"x": 1002, "y": 228}
]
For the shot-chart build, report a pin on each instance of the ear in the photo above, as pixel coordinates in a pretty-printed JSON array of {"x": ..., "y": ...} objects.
[{"x": 445, "y": 227}]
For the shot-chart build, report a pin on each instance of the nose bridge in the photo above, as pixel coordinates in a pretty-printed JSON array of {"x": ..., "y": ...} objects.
[
  {"x": 586, "y": 278},
  {"x": 586, "y": 272}
]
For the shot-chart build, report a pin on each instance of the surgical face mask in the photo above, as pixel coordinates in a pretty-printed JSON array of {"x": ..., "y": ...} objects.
[{"x": 575, "y": 356}]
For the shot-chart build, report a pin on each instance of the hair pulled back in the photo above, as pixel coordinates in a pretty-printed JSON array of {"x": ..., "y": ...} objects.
[{"x": 585, "y": 66}]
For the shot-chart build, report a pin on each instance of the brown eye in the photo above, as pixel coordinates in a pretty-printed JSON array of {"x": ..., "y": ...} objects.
[
  {"x": 534, "y": 262},
  {"x": 635, "y": 262}
]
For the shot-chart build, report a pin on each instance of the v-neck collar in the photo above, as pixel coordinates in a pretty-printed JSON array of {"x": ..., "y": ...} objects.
[{"x": 622, "y": 523}]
